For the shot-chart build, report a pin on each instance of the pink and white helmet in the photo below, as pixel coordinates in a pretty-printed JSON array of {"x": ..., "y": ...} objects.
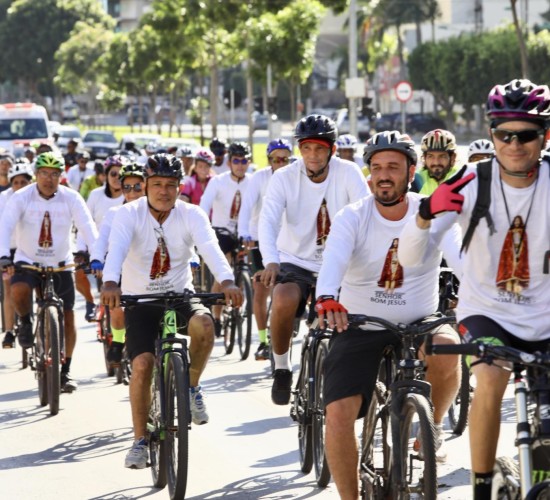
[{"x": 204, "y": 155}]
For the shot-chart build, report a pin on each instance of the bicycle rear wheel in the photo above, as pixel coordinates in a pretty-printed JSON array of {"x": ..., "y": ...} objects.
[
  {"x": 229, "y": 327},
  {"x": 106, "y": 339},
  {"x": 39, "y": 361},
  {"x": 418, "y": 478},
  {"x": 322, "y": 471},
  {"x": 177, "y": 425},
  {"x": 375, "y": 464},
  {"x": 458, "y": 412},
  {"x": 156, "y": 436},
  {"x": 53, "y": 357},
  {"x": 244, "y": 317}
]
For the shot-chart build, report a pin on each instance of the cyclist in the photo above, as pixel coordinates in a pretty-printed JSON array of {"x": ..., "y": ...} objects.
[
  {"x": 150, "y": 251},
  {"x": 504, "y": 297},
  {"x": 71, "y": 156},
  {"x": 132, "y": 180},
  {"x": 278, "y": 155},
  {"x": 93, "y": 182},
  {"x": 360, "y": 274},
  {"x": 6, "y": 162},
  {"x": 78, "y": 173},
  {"x": 438, "y": 155},
  {"x": 221, "y": 160},
  {"x": 42, "y": 216},
  {"x": 187, "y": 158},
  {"x": 223, "y": 199},
  {"x": 346, "y": 148},
  {"x": 481, "y": 149},
  {"x": 19, "y": 176},
  {"x": 199, "y": 177},
  {"x": 299, "y": 204}
]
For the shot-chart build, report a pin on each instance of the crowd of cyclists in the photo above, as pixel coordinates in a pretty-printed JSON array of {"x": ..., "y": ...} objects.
[{"x": 370, "y": 228}]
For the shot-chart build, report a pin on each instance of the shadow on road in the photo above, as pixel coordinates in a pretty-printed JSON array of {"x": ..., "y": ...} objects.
[{"x": 260, "y": 426}]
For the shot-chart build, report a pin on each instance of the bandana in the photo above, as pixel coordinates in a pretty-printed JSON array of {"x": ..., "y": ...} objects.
[{"x": 322, "y": 142}]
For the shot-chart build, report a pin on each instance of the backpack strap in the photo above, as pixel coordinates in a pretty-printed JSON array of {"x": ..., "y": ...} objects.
[{"x": 483, "y": 201}]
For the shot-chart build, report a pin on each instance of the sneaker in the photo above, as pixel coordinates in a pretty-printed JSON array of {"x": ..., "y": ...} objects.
[
  {"x": 137, "y": 455},
  {"x": 114, "y": 354},
  {"x": 439, "y": 441},
  {"x": 217, "y": 327},
  {"x": 280, "y": 391},
  {"x": 90, "y": 312},
  {"x": 199, "y": 413},
  {"x": 263, "y": 352},
  {"x": 25, "y": 336},
  {"x": 9, "y": 341},
  {"x": 67, "y": 383}
]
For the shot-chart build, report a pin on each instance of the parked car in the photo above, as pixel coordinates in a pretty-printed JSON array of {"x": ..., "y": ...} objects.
[
  {"x": 385, "y": 121},
  {"x": 66, "y": 133},
  {"x": 166, "y": 143},
  {"x": 419, "y": 123},
  {"x": 140, "y": 140},
  {"x": 363, "y": 125},
  {"x": 70, "y": 112},
  {"x": 99, "y": 143},
  {"x": 133, "y": 113}
]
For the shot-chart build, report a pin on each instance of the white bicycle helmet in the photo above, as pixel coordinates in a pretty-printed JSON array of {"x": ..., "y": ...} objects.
[
  {"x": 480, "y": 147},
  {"x": 21, "y": 167},
  {"x": 346, "y": 141}
]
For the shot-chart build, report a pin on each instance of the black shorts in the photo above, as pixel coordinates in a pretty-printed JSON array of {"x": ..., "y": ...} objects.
[
  {"x": 227, "y": 242},
  {"x": 63, "y": 284},
  {"x": 256, "y": 261},
  {"x": 352, "y": 365},
  {"x": 143, "y": 320},
  {"x": 305, "y": 288}
]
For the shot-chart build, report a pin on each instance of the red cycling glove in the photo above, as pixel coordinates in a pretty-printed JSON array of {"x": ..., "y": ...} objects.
[
  {"x": 326, "y": 304},
  {"x": 447, "y": 197}
]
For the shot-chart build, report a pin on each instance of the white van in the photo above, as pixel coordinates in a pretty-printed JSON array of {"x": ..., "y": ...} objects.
[{"x": 21, "y": 124}]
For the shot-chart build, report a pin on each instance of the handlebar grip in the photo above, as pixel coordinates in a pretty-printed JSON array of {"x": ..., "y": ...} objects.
[{"x": 464, "y": 349}]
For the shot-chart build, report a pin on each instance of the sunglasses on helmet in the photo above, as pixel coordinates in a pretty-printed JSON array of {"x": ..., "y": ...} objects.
[{"x": 523, "y": 136}]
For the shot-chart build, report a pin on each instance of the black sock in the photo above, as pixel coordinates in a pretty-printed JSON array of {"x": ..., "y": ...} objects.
[
  {"x": 67, "y": 366},
  {"x": 483, "y": 482},
  {"x": 26, "y": 319}
]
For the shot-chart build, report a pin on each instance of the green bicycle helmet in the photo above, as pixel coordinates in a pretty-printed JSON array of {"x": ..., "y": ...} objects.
[
  {"x": 50, "y": 160},
  {"x": 131, "y": 170}
]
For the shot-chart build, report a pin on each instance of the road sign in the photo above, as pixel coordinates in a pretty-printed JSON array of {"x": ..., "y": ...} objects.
[
  {"x": 403, "y": 91},
  {"x": 355, "y": 88}
]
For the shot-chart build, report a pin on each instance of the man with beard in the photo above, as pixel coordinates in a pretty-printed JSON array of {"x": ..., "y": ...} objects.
[
  {"x": 357, "y": 265},
  {"x": 439, "y": 156}
]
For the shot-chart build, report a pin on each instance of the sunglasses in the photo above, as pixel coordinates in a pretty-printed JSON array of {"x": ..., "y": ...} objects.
[
  {"x": 128, "y": 188},
  {"x": 114, "y": 174},
  {"x": 239, "y": 161},
  {"x": 278, "y": 159},
  {"x": 523, "y": 136}
]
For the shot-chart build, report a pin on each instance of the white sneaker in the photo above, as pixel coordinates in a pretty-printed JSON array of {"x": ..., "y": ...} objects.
[
  {"x": 199, "y": 413},
  {"x": 439, "y": 441},
  {"x": 137, "y": 455}
]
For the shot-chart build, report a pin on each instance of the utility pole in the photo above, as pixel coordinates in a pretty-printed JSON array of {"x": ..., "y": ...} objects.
[
  {"x": 352, "y": 102},
  {"x": 478, "y": 16}
]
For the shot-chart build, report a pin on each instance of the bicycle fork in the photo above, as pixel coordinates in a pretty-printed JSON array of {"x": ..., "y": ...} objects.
[{"x": 523, "y": 434}]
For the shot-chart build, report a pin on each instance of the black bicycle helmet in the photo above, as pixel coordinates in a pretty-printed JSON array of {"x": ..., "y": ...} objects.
[
  {"x": 519, "y": 99},
  {"x": 390, "y": 140},
  {"x": 239, "y": 148},
  {"x": 218, "y": 147},
  {"x": 164, "y": 165},
  {"x": 316, "y": 127}
]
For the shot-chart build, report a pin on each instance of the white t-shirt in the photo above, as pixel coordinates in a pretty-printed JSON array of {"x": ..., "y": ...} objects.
[
  {"x": 294, "y": 220},
  {"x": 502, "y": 276},
  {"x": 43, "y": 227},
  {"x": 75, "y": 176},
  {"x": 249, "y": 215},
  {"x": 223, "y": 168},
  {"x": 155, "y": 259},
  {"x": 361, "y": 258},
  {"x": 4, "y": 197},
  {"x": 99, "y": 250},
  {"x": 224, "y": 196},
  {"x": 99, "y": 203}
]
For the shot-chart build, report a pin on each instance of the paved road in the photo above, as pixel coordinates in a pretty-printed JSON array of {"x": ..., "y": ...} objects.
[{"x": 247, "y": 451}]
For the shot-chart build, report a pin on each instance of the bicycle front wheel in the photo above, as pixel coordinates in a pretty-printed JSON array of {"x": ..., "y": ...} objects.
[
  {"x": 301, "y": 412},
  {"x": 244, "y": 316},
  {"x": 322, "y": 471},
  {"x": 53, "y": 357},
  {"x": 177, "y": 425},
  {"x": 156, "y": 435},
  {"x": 39, "y": 359},
  {"x": 540, "y": 491},
  {"x": 416, "y": 450}
]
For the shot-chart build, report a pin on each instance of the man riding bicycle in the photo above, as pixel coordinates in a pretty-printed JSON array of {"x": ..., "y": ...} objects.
[
  {"x": 300, "y": 202},
  {"x": 42, "y": 216},
  {"x": 149, "y": 252},
  {"x": 360, "y": 274},
  {"x": 504, "y": 297}
]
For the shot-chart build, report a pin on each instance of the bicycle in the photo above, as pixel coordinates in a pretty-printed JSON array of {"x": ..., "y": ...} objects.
[
  {"x": 48, "y": 352},
  {"x": 400, "y": 411},
  {"x": 527, "y": 479},
  {"x": 237, "y": 322},
  {"x": 170, "y": 414}
]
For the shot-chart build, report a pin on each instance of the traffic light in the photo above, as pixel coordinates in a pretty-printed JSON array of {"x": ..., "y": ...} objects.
[
  {"x": 272, "y": 105},
  {"x": 366, "y": 109},
  {"x": 259, "y": 104}
]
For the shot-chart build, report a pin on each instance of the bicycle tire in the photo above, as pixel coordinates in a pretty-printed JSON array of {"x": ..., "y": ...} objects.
[
  {"x": 322, "y": 472},
  {"x": 177, "y": 426},
  {"x": 410, "y": 483},
  {"x": 459, "y": 410},
  {"x": 376, "y": 453},
  {"x": 244, "y": 323},
  {"x": 540, "y": 491},
  {"x": 39, "y": 353},
  {"x": 52, "y": 332},
  {"x": 126, "y": 366},
  {"x": 503, "y": 489},
  {"x": 229, "y": 323},
  {"x": 106, "y": 340},
  {"x": 301, "y": 413},
  {"x": 156, "y": 436}
]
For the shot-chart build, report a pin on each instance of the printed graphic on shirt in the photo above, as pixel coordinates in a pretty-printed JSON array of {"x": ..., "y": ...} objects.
[
  {"x": 161, "y": 259},
  {"x": 323, "y": 224},
  {"x": 235, "y": 206},
  {"x": 392, "y": 272},
  {"x": 45, "y": 239},
  {"x": 513, "y": 267}
]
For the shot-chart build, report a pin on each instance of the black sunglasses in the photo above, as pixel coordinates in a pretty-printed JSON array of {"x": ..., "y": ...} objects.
[
  {"x": 128, "y": 188},
  {"x": 523, "y": 136}
]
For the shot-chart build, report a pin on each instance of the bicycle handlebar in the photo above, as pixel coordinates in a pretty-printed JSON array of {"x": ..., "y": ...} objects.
[
  {"x": 186, "y": 296},
  {"x": 42, "y": 269},
  {"x": 357, "y": 320}
]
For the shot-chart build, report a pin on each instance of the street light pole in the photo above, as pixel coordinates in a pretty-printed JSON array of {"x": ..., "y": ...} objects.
[{"x": 352, "y": 103}]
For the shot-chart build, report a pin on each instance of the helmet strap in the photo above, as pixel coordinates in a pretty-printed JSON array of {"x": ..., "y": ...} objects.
[
  {"x": 42, "y": 195},
  {"x": 313, "y": 175},
  {"x": 397, "y": 201},
  {"x": 160, "y": 215},
  {"x": 523, "y": 175}
]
